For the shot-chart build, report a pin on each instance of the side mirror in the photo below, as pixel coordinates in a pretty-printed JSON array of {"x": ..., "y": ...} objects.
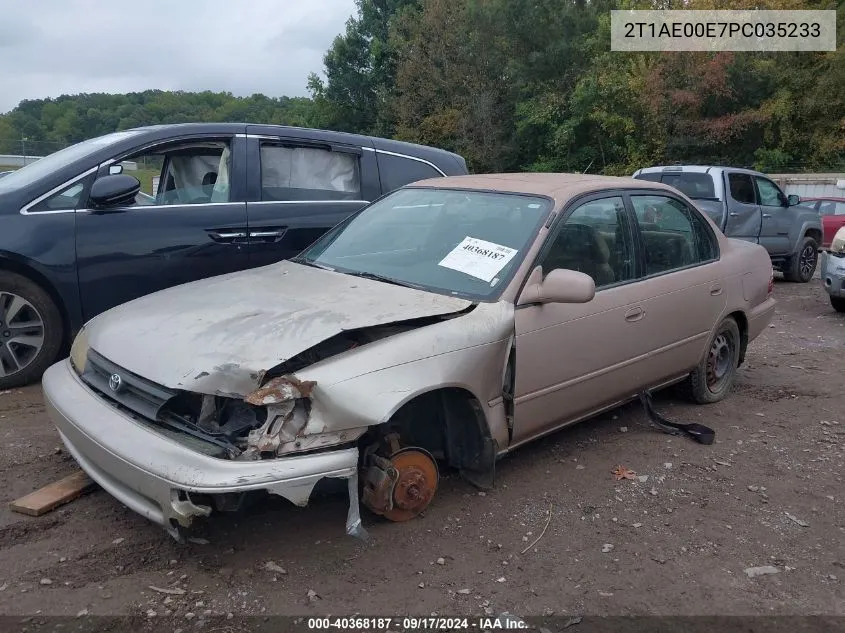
[
  {"x": 792, "y": 200},
  {"x": 559, "y": 286},
  {"x": 114, "y": 191}
]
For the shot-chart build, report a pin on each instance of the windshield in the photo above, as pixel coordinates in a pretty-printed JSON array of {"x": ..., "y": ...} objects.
[
  {"x": 45, "y": 166},
  {"x": 458, "y": 242}
]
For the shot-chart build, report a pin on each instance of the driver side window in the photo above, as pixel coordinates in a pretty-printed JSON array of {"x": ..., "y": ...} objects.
[
  {"x": 188, "y": 173},
  {"x": 770, "y": 194},
  {"x": 595, "y": 239}
]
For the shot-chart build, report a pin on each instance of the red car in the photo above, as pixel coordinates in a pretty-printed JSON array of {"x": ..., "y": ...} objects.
[{"x": 832, "y": 212}]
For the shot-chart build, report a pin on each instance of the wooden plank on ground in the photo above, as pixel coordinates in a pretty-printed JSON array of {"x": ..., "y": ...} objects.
[{"x": 53, "y": 495}]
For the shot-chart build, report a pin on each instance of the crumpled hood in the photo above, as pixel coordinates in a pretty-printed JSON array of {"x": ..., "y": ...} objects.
[{"x": 219, "y": 335}]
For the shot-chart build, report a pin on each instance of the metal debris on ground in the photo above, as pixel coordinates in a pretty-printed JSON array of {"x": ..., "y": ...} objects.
[
  {"x": 620, "y": 472},
  {"x": 171, "y": 591},
  {"x": 753, "y": 572},
  {"x": 537, "y": 540},
  {"x": 795, "y": 519},
  {"x": 273, "y": 567}
]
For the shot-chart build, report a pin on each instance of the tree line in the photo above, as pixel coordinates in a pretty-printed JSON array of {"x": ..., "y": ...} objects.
[{"x": 523, "y": 85}]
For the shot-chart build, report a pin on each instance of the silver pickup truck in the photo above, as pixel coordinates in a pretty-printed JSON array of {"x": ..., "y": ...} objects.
[{"x": 747, "y": 205}]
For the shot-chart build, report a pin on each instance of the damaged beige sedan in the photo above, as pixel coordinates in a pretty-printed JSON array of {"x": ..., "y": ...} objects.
[{"x": 447, "y": 323}]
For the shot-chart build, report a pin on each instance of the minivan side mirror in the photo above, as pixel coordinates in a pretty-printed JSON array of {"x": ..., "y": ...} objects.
[
  {"x": 114, "y": 191},
  {"x": 559, "y": 286},
  {"x": 792, "y": 200}
]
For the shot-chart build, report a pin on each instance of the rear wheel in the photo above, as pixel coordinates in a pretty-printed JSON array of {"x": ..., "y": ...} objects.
[
  {"x": 30, "y": 330},
  {"x": 712, "y": 380},
  {"x": 838, "y": 303},
  {"x": 802, "y": 266}
]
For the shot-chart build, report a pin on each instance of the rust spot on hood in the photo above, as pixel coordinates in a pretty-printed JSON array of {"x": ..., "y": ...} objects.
[{"x": 281, "y": 389}]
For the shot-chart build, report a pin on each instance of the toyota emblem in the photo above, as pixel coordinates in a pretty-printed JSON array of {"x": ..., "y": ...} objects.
[{"x": 115, "y": 382}]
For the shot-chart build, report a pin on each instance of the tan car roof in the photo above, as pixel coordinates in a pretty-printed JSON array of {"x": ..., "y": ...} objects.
[{"x": 560, "y": 187}]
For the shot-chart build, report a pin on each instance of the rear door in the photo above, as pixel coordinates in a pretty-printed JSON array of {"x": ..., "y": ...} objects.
[
  {"x": 776, "y": 218},
  {"x": 190, "y": 223},
  {"x": 301, "y": 185},
  {"x": 744, "y": 215},
  {"x": 682, "y": 292}
]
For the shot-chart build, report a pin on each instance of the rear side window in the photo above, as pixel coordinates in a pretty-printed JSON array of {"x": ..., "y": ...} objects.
[
  {"x": 307, "y": 173},
  {"x": 398, "y": 171},
  {"x": 742, "y": 188},
  {"x": 673, "y": 235}
]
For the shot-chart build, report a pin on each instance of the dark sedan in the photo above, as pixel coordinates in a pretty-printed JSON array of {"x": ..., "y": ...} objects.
[{"x": 119, "y": 216}]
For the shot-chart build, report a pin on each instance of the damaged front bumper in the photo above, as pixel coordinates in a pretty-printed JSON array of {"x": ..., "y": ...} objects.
[{"x": 156, "y": 476}]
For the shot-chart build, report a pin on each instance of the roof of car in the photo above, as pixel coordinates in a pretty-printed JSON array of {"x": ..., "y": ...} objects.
[{"x": 560, "y": 187}]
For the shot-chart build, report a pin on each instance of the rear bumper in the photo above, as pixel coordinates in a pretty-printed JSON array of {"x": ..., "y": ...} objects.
[
  {"x": 833, "y": 274},
  {"x": 759, "y": 317},
  {"x": 154, "y": 475}
]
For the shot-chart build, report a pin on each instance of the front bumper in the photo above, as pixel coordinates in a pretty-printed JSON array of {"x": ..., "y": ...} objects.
[
  {"x": 833, "y": 274},
  {"x": 155, "y": 476}
]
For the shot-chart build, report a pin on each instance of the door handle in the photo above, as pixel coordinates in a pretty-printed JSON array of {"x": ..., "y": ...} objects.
[
  {"x": 767, "y": 215},
  {"x": 716, "y": 290},
  {"x": 226, "y": 237},
  {"x": 733, "y": 214},
  {"x": 634, "y": 314},
  {"x": 267, "y": 233}
]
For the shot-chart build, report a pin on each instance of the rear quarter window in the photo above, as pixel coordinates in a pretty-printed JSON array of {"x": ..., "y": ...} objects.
[{"x": 398, "y": 171}]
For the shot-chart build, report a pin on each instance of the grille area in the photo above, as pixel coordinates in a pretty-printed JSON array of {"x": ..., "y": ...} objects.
[{"x": 139, "y": 395}]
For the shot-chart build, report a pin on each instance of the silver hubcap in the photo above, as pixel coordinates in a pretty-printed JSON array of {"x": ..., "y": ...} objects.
[
  {"x": 719, "y": 361},
  {"x": 21, "y": 333},
  {"x": 807, "y": 261}
]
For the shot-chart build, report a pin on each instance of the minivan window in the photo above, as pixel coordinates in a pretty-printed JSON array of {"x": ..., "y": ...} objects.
[
  {"x": 45, "y": 166},
  {"x": 397, "y": 171},
  {"x": 307, "y": 173}
]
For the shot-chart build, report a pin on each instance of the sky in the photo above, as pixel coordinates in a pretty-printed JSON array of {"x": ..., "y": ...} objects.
[{"x": 54, "y": 47}]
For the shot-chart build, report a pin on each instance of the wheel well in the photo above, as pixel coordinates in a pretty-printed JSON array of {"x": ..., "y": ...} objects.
[
  {"x": 34, "y": 276},
  {"x": 815, "y": 234},
  {"x": 742, "y": 324},
  {"x": 449, "y": 423}
]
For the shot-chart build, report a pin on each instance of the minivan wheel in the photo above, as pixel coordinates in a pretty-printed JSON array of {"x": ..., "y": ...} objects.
[
  {"x": 802, "y": 266},
  {"x": 712, "y": 380},
  {"x": 838, "y": 303},
  {"x": 30, "y": 330}
]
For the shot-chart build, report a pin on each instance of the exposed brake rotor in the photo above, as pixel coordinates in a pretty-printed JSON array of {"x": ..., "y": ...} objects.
[{"x": 401, "y": 486}]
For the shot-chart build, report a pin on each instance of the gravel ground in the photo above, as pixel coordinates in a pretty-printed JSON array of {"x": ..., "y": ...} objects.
[{"x": 767, "y": 493}]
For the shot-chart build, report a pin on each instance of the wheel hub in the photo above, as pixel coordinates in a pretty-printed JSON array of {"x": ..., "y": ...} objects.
[
  {"x": 402, "y": 486},
  {"x": 719, "y": 360}
]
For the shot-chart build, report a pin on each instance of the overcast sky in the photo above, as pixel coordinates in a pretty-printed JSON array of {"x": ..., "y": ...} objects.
[{"x": 54, "y": 47}]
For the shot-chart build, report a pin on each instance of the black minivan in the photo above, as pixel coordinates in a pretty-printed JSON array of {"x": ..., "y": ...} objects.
[{"x": 79, "y": 236}]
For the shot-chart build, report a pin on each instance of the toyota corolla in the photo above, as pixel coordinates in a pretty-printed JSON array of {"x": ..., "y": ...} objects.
[{"x": 442, "y": 326}]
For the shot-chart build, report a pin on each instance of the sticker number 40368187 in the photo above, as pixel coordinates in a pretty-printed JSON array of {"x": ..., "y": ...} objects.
[{"x": 478, "y": 258}]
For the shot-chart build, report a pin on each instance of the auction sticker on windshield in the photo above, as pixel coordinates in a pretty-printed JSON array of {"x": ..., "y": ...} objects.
[{"x": 478, "y": 258}]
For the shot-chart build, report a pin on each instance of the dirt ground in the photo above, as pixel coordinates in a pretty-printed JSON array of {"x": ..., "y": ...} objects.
[{"x": 768, "y": 492}]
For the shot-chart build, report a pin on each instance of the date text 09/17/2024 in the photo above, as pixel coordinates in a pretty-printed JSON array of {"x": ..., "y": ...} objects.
[{"x": 411, "y": 623}]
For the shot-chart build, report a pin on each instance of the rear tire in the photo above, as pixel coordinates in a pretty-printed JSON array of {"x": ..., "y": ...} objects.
[
  {"x": 838, "y": 303},
  {"x": 31, "y": 330},
  {"x": 802, "y": 265},
  {"x": 714, "y": 377}
]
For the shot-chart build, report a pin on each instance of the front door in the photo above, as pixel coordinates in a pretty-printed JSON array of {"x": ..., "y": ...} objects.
[
  {"x": 574, "y": 358},
  {"x": 186, "y": 224},
  {"x": 299, "y": 188},
  {"x": 777, "y": 220}
]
